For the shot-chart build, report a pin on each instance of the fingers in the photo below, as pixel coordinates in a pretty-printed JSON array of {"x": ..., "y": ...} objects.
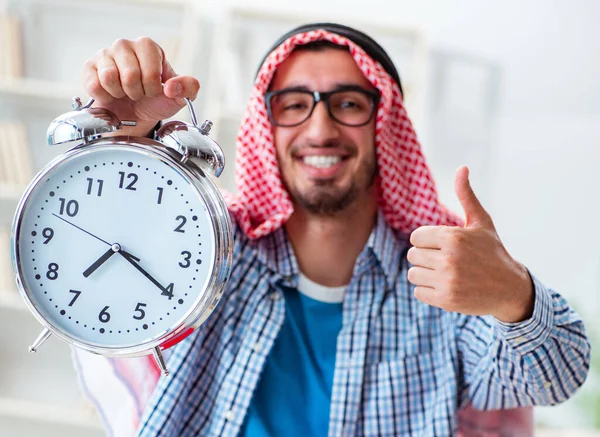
[
  {"x": 421, "y": 276},
  {"x": 429, "y": 237},
  {"x": 132, "y": 69},
  {"x": 92, "y": 83},
  {"x": 150, "y": 58},
  {"x": 108, "y": 75},
  {"x": 428, "y": 258},
  {"x": 426, "y": 295}
]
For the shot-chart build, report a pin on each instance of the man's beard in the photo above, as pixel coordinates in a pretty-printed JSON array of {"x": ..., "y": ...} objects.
[{"x": 327, "y": 200}]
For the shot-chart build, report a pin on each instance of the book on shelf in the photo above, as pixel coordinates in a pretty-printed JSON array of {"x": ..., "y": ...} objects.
[
  {"x": 11, "y": 60},
  {"x": 15, "y": 162}
]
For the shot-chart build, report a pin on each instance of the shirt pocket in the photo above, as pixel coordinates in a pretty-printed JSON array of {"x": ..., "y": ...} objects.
[{"x": 409, "y": 395}]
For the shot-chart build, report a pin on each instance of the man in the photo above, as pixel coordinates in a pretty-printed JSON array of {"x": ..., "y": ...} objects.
[{"x": 357, "y": 305}]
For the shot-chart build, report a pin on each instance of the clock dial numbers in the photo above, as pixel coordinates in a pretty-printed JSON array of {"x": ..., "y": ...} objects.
[
  {"x": 186, "y": 259},
  {"x": 139, "y": 309},
  {"x": 100, "y": 201},
  {"x": 76, "y": 293},
  {"x": 104, "y": 316},
  {"x": 132, "y": 176},
  {"x": 47, "y": 233},
  {"x": 90, "y": 184},
  {"x": 72, "y": 207},
  {"x": 168, "y": 291},
  {"x": 160, "y": 194},
  {"x": 183, "y": 220},
  {"x": 52, "y": 272}
]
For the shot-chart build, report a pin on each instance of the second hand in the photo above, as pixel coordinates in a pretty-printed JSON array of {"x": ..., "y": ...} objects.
[{"x": 81, "y": 229}]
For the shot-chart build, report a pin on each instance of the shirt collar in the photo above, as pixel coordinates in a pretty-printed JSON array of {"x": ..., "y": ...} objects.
[
  {"x": 387, "y": 247},
  {"x": 275, "y": 251}
]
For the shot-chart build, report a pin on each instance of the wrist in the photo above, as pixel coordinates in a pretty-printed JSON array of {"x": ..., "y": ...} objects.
[{"x": 519, "y": 307}]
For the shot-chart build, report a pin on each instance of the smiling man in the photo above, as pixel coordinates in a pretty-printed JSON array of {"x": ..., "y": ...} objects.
[
  {"x": 357, "y": 304},
  {"x": 325, "y": 166}
]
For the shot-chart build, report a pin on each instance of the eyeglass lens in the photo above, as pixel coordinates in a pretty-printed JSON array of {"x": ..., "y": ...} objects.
[{"x": 347, "y": 107}]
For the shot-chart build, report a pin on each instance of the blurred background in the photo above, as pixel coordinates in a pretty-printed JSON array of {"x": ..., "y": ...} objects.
[{"x": 509, "y": 88}]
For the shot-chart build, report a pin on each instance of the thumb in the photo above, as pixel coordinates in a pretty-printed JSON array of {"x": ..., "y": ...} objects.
[
  {"x": 475, "y": 214},
  {"x": 179, "y": 87},
  {"x": 176, "y": 86}
]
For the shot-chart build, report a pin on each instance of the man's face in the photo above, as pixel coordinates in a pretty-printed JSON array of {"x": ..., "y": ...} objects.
[{"x": 325, "y": 166}]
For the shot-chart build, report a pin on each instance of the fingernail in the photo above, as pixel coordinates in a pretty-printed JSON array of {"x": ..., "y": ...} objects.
[{"x": 178, "y": 89}]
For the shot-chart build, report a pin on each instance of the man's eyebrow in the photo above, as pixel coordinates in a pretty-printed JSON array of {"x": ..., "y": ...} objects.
[{"x": 295, "y": 88}]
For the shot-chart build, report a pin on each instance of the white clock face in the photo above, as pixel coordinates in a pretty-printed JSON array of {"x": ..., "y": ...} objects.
[{"x": 115, "y": 247}]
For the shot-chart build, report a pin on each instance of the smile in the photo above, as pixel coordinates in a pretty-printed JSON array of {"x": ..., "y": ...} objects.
[{"x": 321, "y": 161}]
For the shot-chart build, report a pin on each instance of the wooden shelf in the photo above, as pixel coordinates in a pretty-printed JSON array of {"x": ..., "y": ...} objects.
[
  {"x": 34, "y": 88},
  {"x": 32, "y": 97}
]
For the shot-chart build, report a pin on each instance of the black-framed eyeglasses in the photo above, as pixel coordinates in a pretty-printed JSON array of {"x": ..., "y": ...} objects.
[{"x": 348, "y": 105}]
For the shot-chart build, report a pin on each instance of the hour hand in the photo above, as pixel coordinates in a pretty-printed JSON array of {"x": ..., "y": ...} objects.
[{"x": 105, "y": 256}]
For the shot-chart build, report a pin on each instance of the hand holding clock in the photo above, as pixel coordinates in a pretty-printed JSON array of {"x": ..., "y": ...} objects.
[{"x": 133, "y": 79}]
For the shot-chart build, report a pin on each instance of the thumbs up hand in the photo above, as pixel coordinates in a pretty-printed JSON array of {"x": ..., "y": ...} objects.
[{"x": 467, "y": 269}]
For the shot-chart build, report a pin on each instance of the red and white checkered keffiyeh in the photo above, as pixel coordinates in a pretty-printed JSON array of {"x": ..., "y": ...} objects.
[{"x": 408, "y": 198}]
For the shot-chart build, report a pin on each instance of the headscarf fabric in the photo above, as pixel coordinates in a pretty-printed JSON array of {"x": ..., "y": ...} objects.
[{"x": 407, "y": 194}]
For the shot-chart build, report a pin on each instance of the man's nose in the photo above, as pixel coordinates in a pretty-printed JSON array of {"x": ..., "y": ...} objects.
[{"x": 320, "y": 128}]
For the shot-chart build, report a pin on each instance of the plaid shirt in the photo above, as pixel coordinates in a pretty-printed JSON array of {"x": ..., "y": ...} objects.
[{"x": 402, "y": 367}]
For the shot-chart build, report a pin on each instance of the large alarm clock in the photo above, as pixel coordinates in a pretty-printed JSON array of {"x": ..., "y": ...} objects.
[{"x": 122, "y": 245}]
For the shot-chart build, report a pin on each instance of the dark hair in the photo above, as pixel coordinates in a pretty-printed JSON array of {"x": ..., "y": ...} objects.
[
  {"x": 368, "y": 44},
  {"x": 320, "y": 45}
]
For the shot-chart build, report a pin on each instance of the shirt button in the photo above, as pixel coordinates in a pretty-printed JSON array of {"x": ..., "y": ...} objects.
[
  {"x": 257, "y": 347},
  {"x": 547, "y": 385},
  {"x": 274, "y": 296},
  {"x": 229, "y": 415}
]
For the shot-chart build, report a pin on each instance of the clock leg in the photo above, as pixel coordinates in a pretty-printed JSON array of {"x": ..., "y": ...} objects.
[
  {"x": 44, "y": 335},
  {"x": 160, "y": 361}
]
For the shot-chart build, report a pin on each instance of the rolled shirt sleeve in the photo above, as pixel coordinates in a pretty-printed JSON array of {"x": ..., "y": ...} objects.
[{"x": 540, "y": 361}]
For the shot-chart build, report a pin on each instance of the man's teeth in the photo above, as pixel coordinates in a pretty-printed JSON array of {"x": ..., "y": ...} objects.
[{"x": 321, "y": 161}]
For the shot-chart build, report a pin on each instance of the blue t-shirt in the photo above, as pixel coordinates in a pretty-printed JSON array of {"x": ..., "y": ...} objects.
[{"x": 294, "y": 393}]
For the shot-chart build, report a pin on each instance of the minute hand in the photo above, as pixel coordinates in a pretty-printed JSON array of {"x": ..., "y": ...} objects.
[{"x": 132, "y": 260}]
